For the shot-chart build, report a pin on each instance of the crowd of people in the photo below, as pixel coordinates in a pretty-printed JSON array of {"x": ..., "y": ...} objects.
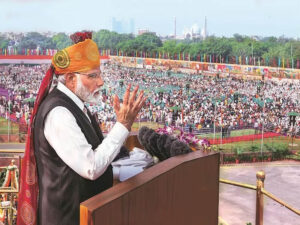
[
  {"x": 200, "y": 102},
  {"x": 18, "y": 87}
]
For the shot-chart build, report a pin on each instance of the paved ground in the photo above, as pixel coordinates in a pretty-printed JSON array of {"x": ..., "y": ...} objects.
[
  {"x": 12, "y": 146},
  {"x": 237, "y": 205}
]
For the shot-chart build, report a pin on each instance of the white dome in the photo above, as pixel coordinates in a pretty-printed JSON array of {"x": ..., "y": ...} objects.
[{"x": 195, "y": 29}]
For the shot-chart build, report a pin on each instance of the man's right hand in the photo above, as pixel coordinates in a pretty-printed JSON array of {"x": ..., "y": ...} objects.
[{"x": 127, "y": 112}]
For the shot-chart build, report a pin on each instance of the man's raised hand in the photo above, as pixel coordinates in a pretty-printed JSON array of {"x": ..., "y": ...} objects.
[{"x": 127, "y": 112}]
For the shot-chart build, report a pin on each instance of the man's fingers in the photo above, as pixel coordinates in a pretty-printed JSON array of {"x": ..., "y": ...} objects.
[
  {"x": 126, "y": 95},
  {"x": 137, "y": 102},
  {"x": 133, "y": 95},
  {"x": 116, "y": 103},
  {"x": 141, "y": 104}
]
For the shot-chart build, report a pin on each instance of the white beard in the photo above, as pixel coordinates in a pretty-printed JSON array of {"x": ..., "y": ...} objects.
[{"x": 85, "y": 95}]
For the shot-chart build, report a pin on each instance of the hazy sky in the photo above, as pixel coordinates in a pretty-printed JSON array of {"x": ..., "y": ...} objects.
[{"x": 224, "y": 17}]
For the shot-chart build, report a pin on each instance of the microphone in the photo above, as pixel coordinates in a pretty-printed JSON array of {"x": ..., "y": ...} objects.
[{"x": 162, "y": 146}]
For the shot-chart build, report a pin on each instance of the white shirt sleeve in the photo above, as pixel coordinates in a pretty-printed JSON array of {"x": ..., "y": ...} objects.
[{"x": 66, "y": 138}]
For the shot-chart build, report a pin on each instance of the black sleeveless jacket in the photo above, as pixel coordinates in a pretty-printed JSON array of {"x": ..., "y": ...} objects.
[{"x": 61, "y": 190}]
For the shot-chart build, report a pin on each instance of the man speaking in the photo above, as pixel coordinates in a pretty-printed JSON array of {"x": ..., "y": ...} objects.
[{"x": 67, "y": 159}]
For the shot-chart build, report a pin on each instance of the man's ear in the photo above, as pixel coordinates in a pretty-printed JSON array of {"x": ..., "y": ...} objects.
[{"x": 71, "y": 81}]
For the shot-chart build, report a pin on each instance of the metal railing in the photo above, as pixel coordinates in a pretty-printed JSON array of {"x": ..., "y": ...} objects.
[{"x": 260, "y": 192}]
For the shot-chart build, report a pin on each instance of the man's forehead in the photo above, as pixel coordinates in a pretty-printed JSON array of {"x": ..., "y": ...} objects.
[{"x": 93, "y": 71}]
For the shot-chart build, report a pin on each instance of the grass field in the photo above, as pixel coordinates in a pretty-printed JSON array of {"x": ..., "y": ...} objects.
[
  {"x": 245, "y": 146},
  {"x": 233, "y": 133},
  {"x": 137, "y": 125},
  {"x": 6, "y": 127}
]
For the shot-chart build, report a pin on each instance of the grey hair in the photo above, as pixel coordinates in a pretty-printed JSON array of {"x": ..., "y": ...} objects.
[{"x": 61, "y": 79}]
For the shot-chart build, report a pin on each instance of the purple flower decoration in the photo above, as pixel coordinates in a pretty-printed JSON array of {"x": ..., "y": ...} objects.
[{"x": 188, "y": 138}]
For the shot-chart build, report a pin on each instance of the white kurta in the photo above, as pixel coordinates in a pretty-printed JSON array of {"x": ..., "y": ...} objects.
[{"x": 66, "y": 138}]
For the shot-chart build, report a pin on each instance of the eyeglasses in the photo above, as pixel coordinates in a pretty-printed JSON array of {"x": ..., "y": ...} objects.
[{"x": 92, "y": 75}]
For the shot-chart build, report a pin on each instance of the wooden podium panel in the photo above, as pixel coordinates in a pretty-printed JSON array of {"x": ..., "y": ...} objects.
[
  {"x": 132, "y": 141},
  {"x": 183, "y": 190}
]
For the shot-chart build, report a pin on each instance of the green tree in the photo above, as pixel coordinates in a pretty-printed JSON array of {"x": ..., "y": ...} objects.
[
  {"x": 238, "y": 37},
  {"x": 34, "y": 39},
  {"x": 296, "y": 49},
  {"x": 3, "y": 42},
  {"x": 148, "y": 42},
  {"x": 241, "y": 49},
  {"x": 106, "y": 39},
  {"x": 266, "y": 48},
  {"x": 61, "y": 41},
  {"x": 169, "y": 47}
]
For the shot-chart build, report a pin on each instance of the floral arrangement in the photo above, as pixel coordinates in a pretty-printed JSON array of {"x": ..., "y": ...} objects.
[{"x": 190, "y": 139}]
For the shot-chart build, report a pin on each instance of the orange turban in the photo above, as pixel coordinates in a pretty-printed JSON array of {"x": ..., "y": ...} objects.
[{"x": 80, "y": 57}]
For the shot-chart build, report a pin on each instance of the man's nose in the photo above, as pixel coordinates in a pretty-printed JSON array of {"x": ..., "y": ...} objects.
[{"x": 99, "y": 81}]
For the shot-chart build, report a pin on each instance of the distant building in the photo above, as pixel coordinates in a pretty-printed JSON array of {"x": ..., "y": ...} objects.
[
  {"x": 116, "y": 25},
  {"x": 194, "y": 32},
  {"x": 131, "y": 26},
  {"x": 48, "y": 34},
  {"x": 14, "y": 38},
  {"x": 121, "y": 26},
  {"x": 204, "y": 32},
  {"x": 144, "y": 31}
]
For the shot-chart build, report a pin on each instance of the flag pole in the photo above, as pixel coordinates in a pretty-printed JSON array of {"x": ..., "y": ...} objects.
[{"x": 263, "y": 114}]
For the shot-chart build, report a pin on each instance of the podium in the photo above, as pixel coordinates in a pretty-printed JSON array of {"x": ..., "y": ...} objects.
[{"x": 182, "y": 190}]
